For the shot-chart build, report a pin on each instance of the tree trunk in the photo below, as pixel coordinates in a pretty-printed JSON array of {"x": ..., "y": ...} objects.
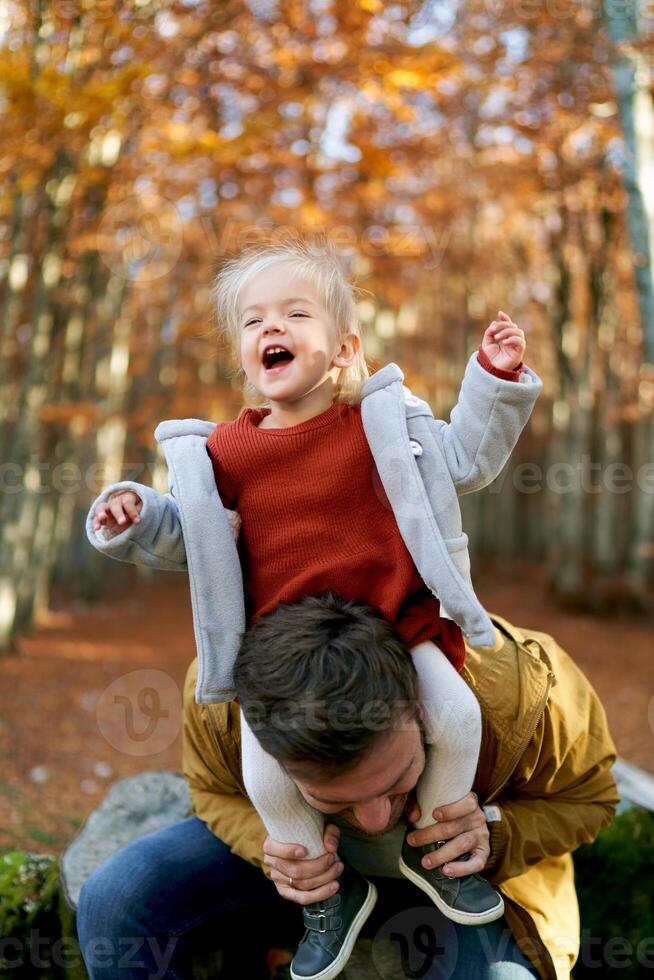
[
  {"x": 19, "y": 510},
  {"x": 631, "y": 80},
  {"x": 640, "y": 561}
]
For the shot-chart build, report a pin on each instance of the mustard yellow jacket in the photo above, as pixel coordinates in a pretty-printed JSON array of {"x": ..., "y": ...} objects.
[{"x": 544, "y": 768}]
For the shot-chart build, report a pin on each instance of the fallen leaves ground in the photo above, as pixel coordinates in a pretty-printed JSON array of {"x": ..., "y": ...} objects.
[{"x": 67, "y": 731}]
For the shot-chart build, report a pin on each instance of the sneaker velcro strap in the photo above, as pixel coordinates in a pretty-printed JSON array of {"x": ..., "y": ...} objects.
[
  {"x": 319, "y": 920},
  {"x": 429, "y": 848}
]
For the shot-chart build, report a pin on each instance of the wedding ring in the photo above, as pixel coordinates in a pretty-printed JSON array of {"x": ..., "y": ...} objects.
[{"x": 290, "y": 882}]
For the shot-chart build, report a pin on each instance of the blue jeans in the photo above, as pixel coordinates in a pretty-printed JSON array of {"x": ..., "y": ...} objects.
[{"x": 154, "y": 904}]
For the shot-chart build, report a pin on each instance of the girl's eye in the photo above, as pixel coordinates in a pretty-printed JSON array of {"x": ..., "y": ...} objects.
[{"x": 296, "y": 313}]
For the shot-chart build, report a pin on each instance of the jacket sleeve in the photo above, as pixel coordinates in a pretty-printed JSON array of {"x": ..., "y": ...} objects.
[
  {"x": 485, "y": 424},
  {"x": 209, "y": 756},
  {"x": 563, "y": 790},
  {"x": 156, "y": 541}
]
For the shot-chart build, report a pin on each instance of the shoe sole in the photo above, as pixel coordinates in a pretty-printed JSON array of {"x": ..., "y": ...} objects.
[
  {"x": 462, "y": 918},
  {"x": 357, "y": 924}
]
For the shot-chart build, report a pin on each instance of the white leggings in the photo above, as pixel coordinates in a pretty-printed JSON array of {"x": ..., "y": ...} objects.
[{"x": 453, "y": 733}]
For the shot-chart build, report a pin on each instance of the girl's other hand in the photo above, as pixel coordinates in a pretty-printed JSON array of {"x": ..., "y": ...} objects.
[
  {"x": 118, "y": 512},
  {"x": 504, "y": 343}
]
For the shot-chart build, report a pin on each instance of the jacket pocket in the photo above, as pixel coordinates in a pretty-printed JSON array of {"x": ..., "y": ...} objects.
[
  {"x": 456, "y": 544},
  {"x": 457, "y": 549}
]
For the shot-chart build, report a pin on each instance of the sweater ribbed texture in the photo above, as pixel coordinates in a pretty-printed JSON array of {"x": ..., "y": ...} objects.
[{"x": 315, "y": 517}]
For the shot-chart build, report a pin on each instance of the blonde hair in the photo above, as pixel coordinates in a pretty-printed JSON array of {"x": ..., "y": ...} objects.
[{"x": 317, "y": 260}]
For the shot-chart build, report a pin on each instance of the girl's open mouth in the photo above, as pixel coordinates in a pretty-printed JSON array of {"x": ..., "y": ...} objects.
[{"x": 276, "y": 358}]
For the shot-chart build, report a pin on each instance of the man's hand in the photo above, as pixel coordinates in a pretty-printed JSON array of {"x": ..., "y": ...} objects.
[
  {"x": 504, "y": 343},
  {"x": 463, "y": 826},
  {"x": 302, "y": 880}
]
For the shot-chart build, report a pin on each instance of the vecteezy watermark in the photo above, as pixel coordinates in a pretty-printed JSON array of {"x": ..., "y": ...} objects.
[
  {"x": 141, "y": 238},
  {"x": 390, "y": 478},
  {"x": 616, "y": 953},
  {"x": 397, "y": 488},
  {"x": 124, "y": 953},
  {"x": 585, "y": 475},
  {"x": 140, "y": 712},
  {"x": 421, "y": 943},
  {"x": 343, "y": 714},
  {"x": 38, "y": 951},
  {"x": 395, "y": 485},
  {"x": 416, "y": 943},
  {"x": 403, "y": 239},
  {"x": 596, "y": 952},
  {"x": 41, "y": 476},
  {"x": 586, "y": 10}
]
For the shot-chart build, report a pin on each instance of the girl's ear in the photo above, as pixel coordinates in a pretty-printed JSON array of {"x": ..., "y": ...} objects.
[{"x": 350, "y": 345}]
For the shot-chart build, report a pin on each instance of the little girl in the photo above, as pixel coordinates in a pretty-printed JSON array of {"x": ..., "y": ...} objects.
[{"x": 299, "y": 471}]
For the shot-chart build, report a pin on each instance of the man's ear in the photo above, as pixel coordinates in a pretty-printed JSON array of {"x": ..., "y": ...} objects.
[{"x": 350, "y": 345}]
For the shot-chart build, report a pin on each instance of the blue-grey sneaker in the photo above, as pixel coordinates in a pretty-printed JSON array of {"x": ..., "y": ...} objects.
[
  {"x": 470, "y": 901},
  {"x": 332, "y": 928}
]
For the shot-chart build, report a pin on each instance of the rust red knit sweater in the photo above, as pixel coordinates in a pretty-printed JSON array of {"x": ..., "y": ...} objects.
[{"x": 315, "y": 517}]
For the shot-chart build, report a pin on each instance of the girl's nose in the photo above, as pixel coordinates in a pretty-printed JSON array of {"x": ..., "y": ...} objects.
[
  {"x": 272, "y": 328},
  {"x": 374, "y": 816}
]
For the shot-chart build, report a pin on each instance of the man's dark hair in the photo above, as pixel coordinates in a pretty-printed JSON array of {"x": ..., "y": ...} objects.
[{"x": 321, "y": 680}]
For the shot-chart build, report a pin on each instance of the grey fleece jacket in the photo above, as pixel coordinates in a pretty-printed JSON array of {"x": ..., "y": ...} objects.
[{"x": 423, "y": 463}]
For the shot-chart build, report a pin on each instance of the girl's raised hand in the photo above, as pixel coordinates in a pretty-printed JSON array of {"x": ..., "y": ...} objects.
[
  {"x": 504, "y": 343},
  {"x": 118, "y": 512}
]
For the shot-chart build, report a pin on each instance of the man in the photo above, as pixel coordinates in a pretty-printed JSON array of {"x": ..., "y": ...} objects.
[{"x": 344, "y": 720}]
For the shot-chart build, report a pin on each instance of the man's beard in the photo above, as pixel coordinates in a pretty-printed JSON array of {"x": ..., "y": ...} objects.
[{"x": 396, "y": 813}]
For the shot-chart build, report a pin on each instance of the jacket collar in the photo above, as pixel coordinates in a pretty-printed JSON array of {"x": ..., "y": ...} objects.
[
  {"x": 383, "y": 378},
  {"x": 170, "y": 428},
  {"x": 523, "y": 676}
]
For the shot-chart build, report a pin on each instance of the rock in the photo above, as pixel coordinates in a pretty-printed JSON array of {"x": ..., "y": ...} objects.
[{"x": 132, "y": 807}]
